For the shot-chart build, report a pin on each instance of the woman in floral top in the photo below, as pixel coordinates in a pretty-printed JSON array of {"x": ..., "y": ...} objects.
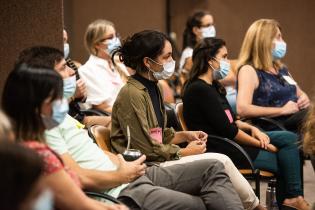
[{"x": 32, "y": 98}]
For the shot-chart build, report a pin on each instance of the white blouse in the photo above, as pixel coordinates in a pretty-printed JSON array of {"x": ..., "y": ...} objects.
[
  {"x": 187, "y": 52},
  {"x": 103, "y": 83}
]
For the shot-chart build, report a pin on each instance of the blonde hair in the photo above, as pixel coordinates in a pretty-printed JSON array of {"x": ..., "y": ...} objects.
[
  {"x": 95, "y": 33},
  {"x": 309, "y": 132},
  {"x": 5, "y": 126},
  {"x": 257, "y": 45}
]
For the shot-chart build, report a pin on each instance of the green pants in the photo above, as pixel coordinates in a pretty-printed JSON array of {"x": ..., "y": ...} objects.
[{"x": 285, "y": 164}]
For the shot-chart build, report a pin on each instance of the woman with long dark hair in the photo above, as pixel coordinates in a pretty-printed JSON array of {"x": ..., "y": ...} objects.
[
  {"x": 206, "y": 108},
  {"x": 33, "y": 100}
]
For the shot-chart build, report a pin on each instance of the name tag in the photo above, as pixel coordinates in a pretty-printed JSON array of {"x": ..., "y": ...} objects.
[
  {"x": 289, "y": 80},
  {"x": 229, "y": 115},
  {"x": 156, "y": 134}
]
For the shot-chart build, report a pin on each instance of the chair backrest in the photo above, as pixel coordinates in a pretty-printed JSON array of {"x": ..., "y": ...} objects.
[
  {"x": 180, "y": 116},
  {"x": 172, "y": 120},
  {"x": 101, "y": 136}
]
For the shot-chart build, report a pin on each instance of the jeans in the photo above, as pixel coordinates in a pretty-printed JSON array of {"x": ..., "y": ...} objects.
[{"x": 285, "y": 164}]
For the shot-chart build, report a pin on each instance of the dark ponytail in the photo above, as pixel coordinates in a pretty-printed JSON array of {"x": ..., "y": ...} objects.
[{"x": 143, "y": 44}]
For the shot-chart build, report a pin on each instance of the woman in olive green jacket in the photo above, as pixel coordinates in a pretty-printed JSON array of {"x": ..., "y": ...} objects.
[{"x": 139, "y": 105}]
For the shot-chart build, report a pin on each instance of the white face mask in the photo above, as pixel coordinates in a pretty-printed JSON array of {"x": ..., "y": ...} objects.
[
  {"x": 167, "y": 72},
  {"x": 66, "y": 50},
  {"x": 45, "y": 201},
  {"x": 208, "y": 32}
]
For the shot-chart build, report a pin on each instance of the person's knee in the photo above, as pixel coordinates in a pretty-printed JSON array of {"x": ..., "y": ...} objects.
[{"x": 285, "y": 138}]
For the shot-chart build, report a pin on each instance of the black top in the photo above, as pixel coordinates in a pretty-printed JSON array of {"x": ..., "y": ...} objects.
[
  {"x": 206, "y": 108},
  {"x": 153, "y": 90}
]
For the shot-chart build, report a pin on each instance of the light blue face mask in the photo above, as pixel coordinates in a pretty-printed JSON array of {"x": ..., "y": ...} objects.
[
  {"x": 113, "y": 44},
  {"x": 223, "y": 70},
  {"x": 279, "y": 50},
  {"x": 45, "y": 201},
  {"x": 60, "y": 109},
  {"x": 69, "y": 86},
  {"x": 66, "y": 50}
]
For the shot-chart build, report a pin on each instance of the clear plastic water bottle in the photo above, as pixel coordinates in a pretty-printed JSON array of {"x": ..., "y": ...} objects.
[{"x": 271, "y": 201}]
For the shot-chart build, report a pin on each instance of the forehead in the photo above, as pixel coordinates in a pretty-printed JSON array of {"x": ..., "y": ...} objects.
[
  {"x": 222, "y": 51},
  {"x": 207, "y": 19},
  {"x": 109, "y": 30},
  {"x": 167, "y": 47},
  {"x": 60, "y": 63}
]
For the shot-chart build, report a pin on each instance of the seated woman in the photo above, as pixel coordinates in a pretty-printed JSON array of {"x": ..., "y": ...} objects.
[
  {"x": 200, "y": 25},
  {"x": 32, "y": 98},
  {"x": 265, "y": 86},
  {"x": 102, "y": 78},
  {"x": 206, "y": 108},
  {"x": 139, "y": 105}
]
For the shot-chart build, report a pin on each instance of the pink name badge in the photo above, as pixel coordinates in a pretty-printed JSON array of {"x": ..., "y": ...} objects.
[
  {"x": 229, "y": 115},
  {"x": 156, "y": 134}
]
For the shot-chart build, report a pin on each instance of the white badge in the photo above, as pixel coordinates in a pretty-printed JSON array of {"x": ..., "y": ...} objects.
[{"x": 289, "y": 80}]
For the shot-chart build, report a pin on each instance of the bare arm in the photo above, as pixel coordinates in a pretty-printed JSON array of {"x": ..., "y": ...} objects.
[
  {"x": 69, "y": 196},
  {"x": 247, "y": 83},
  {"x": 97, "y": 120},
  {"x": 103, "y": 106},
  {"x": 102, "y": 180}
]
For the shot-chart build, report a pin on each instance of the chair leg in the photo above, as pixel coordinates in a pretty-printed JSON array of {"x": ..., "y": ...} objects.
[{"x": 257, "y": 183}]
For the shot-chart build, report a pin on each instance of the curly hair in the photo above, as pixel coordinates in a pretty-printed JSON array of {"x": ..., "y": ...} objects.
[{"x": 309, "y": 132}]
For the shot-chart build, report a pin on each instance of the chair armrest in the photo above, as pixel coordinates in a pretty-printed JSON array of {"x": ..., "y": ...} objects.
[
  {"x": 102, "y": 196},
  {"x": 227, "y": 143},
  {"x": 267, "y": 120}
]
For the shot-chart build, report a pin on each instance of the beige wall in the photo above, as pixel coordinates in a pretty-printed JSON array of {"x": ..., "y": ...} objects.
[
  {"x": 33, "y": 22},
  {"x": 129, "y": 16},
  {"x": 233, "y": 17},
  {"x": 24, "y": 24}
]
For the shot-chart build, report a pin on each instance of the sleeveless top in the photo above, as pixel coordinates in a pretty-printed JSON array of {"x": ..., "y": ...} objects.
[{"x": 273, "y": 90}]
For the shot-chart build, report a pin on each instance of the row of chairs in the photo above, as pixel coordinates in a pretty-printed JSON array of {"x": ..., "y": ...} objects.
[{"x": 101, "y": 136}]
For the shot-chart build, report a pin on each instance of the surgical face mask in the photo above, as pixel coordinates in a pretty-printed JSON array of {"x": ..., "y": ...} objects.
[
  {"x": 224, "y": 68},
  {"x": 167, "y": 72},
  {"x": 66, "y": 50},
  {"x": 279, "y": 50},
  {"x": 45, "y": 201},
  {"x": 113, "y": 44},
  {"x": 60, "y": 109},
  {"x": 69, "y": 86},
  {"x": 208, "y": 32}
]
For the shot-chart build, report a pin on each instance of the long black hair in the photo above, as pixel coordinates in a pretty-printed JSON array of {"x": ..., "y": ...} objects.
[
  {"x": 24, "y": 93},
  {"x": 189, "y": 38},
  {"x": 206, "y": 50},
  {"x": 143, "y": 44}
]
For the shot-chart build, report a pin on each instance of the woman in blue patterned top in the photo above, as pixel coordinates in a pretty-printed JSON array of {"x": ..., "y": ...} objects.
[{"x": 265, "y": 86}]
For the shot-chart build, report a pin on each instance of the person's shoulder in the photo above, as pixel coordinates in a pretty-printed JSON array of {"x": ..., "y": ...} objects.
[
  {"x": 247, "y": 68},
  {"x": 198, "y": 87}
]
